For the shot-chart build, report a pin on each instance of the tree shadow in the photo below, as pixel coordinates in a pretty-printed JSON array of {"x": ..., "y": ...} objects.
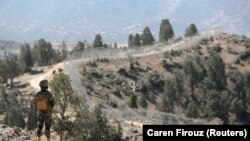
[{"x": 33, "y": 72}]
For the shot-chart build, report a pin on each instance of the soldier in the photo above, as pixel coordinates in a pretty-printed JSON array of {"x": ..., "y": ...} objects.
[{"x": 45, "y": 103}]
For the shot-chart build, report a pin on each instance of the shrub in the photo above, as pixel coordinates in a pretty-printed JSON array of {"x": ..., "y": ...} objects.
[
  {"x": 244, "y": 56},
  {"x": 103, "y": 60},
  {"x": 170, "y": 66},
  {"x": 172, "y": 53},
  {"x": 204, "y": 41},
  {"x": 124, "y": 72},
  {"x": 192, "y": 110},
  {"x": 32, "y": 116},
  {"x": 95, "y": 74},
  {"x": 216, "y": 49},
  {"x": 92, "y": 64},
  {"x": 156, "y": 82},
  {"x": 14, "y": 117}
]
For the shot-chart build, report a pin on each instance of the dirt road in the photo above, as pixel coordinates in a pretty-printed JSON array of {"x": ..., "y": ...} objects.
[{"x": 34, "y": 82}]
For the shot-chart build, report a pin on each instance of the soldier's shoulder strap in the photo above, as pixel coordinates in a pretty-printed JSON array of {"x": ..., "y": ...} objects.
[{"x": 38, "y": 92}]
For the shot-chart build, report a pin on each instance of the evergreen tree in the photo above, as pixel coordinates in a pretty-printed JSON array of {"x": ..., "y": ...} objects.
[
  {"x": 32, "y": 116},
  {"x": 208, "y": 85},
  {"x": 26, "y": 57},
  {"x": 64, "y": 95},
  {"x": 170, "y": 94},
  {"x": 247, "y": 88},
  {"x": 192, "y": 110},
  {"x": 191, "y": 74},
  {"x": 142, "y": 101},
  {"x": 64, "y": 51},
  {"x": 3, "y": 73},
  {"x": 178, "y": 82},
  {"x": 100, "y": 130},
  {"x": 98, "y": 41},
  {"x": 80, "y": 46},
  {"x": 44, "y": 53},
  {"x": 89, "y": 126},
  {"x": 191, "y": 30},
  {"x": 166, "y": 31},
  {"x": 132, "y": 103},
  {"x": 216, "y": 71},
  {"x": 92, "y": 126},
  {"x": 147, "y": 37},
  {"x": 131, "y": 40},
  {"x": 241, "y": 87},
  {"x": 217, "y": 105},
  {"x": 137, "y": 41},
  {"x": 115, "y": 45},
  {"x": 237, "y": 106},
  {"x": 13, "y": 67}
]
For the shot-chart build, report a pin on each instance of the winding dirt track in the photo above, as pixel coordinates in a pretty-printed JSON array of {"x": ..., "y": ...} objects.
[
  {"x": 185, "y": 43},
  {"x": 47, "y": 75}
]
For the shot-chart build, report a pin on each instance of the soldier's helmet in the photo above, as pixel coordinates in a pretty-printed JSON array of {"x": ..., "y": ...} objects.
[{"x": 44, "y": 83}]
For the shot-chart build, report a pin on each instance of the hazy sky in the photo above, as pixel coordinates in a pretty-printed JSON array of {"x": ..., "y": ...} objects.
[{"x": 72, "y": 20}]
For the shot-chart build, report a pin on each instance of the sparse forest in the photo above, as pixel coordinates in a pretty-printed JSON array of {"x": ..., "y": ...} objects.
[{"x": 198, "y": 82}]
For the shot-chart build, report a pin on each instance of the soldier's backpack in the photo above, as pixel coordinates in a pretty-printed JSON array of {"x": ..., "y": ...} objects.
[{"x": 42, "y": 103}]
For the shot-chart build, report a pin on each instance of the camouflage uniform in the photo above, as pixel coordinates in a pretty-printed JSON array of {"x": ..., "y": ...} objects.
[{"x": 45, "y": 116}]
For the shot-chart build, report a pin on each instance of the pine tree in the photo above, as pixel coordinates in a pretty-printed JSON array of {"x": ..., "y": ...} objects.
[
  {"x": 13, "y": 67},
  {"x": 131, "y": 40},
  {"x": 170, "y": 94},
  {"x": 132, "y": 103},
  {"x": 32, "y": 116},
  {"x": 92, "y": 126},
  {"x": 178, "y": 82},
  {"x": 166, "y": 31},
  {"x": 216, "y": 71},
  {"x": 191, "y": 110},
  {"x": 64, "y": 51},
  {"x": 247, "y": 88},
  {"x": 217, "y": 105},
  {"x": 89, "y": 126},
  {"x": 142, "y": 101},
  {"x": 26, "y": 57},
  {"x": 100, "y": 130},
  {"x": 147, "y": 37},
  {"x": 191, "y": 30},
  {"x": 115, "y": 45},
  {"x": 64, "y": 95},
  {"x": 237, "y": 106},
  {"x": 3, "y": 73},
  {"x": 98, "y": 41},
  {"x": 194, "y": 72},
  {"x": 43, "y": 52},
  {"x": 80, "y": 46},
  {"x": 137, "y": 41}
]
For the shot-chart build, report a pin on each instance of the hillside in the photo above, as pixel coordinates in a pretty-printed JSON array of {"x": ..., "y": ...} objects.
[
  {"x": 131, "y": 85},
  {"x": 111, "y": 82}
]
